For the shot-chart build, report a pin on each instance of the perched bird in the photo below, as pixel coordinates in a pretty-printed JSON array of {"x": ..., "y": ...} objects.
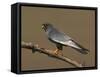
[{"x": 61, "y": 39}]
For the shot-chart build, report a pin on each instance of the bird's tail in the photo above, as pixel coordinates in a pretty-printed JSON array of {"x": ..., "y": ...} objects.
[{"x": 81, "y": 48}]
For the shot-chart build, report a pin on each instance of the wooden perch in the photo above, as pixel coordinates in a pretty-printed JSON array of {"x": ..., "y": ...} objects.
[{"x": 50, "y": 53}]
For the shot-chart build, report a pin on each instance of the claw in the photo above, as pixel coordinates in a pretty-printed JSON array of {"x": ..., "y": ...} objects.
[{"x": 57, "y": 52}]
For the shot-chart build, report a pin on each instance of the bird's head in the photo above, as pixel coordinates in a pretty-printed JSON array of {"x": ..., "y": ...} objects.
[{"x": 46, "y": 26}]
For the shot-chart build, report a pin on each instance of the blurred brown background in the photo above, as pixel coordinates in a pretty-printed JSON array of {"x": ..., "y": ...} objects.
[{"x": 78, "y": 24}]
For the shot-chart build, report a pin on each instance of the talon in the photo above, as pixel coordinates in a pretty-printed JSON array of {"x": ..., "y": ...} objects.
[{"x": 57, "y": 52}]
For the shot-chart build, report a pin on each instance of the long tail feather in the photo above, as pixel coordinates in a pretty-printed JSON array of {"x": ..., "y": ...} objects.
[{"x": 81, "y": 49}]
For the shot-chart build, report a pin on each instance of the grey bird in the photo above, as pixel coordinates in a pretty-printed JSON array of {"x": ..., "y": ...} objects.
[{"x": 61, "y": 39}]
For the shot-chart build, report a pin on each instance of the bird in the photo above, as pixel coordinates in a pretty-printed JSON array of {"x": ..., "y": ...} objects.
[{"x": 61, "y": 39}]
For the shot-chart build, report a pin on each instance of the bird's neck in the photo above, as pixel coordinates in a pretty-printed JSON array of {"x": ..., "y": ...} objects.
[{"x": 48, "y": 31}]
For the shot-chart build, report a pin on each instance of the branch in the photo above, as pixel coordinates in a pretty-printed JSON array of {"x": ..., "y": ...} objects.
[{"x": 50, "y": 53}]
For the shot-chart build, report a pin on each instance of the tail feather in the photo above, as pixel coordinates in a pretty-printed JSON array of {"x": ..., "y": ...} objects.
[{"x": 82, "y": 49}]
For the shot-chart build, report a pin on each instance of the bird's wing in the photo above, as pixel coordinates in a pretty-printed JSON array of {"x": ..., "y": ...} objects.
[
  {"x": 57, "y": 36},
  {"x": 71, "y": 43},
  {"x": 67, "y": 42},
  {"x": 61, "y": 38}
]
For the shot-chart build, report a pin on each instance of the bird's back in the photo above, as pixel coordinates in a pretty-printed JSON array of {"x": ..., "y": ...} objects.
[{"x": 57, "y": 36}]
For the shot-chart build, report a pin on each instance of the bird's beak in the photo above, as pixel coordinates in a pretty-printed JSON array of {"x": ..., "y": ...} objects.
[{"x": 42, "y": 26}]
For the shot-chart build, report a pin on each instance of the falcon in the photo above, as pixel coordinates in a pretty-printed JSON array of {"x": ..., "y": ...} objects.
[{"x": 60, "y": 39}]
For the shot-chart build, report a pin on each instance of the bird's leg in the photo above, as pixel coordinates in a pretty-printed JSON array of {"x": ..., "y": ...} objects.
[{"x": 57, "y": 52}]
